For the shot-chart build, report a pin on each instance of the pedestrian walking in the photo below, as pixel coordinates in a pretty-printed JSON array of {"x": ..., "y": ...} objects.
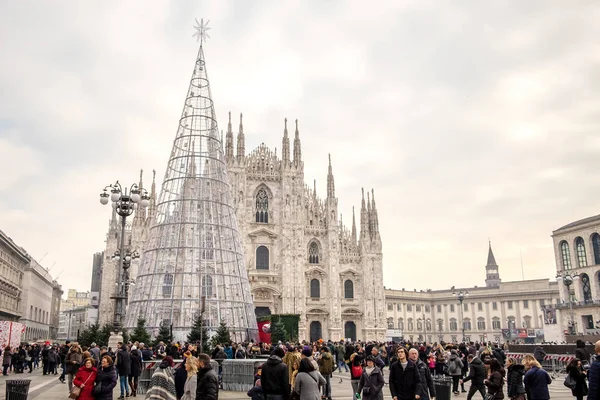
[
  {"x": 371, "y": 381},
  {"x": 576, "y": 372},
  {"x": 477, "y": 375},
  {"x": 536, "y": 379},
  {"x": 84, "y": 380},
  {"x": 404, "y": 378},
  {"x": 207, "y": 386},
  {"x": 495, "y": 383},
  {"x": 514, "y": 380},
  {"x": 162, "y": 384},
  {"x": 106, "y": 380},
  {"x": 308, "y": 381}
]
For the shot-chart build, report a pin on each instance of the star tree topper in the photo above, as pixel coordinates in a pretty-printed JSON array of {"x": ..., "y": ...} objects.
[{"x": 201, "y": 30}]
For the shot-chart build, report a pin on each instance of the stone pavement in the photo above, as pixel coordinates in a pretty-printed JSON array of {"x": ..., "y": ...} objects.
[{"x": 49, "y": 388}]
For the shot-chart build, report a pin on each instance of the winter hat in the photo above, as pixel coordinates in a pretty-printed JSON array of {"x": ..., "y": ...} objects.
[
  {"x": 307, "y": 352},
  {"x": 279, "y": 352},
  {"x": 166, "y": 362}
]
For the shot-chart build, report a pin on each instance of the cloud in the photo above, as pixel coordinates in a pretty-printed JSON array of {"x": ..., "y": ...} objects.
[{"x": 470, "y": 120}]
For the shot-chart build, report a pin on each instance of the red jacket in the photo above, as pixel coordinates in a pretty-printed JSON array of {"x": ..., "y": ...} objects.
[{"x": 84, "y": 374}]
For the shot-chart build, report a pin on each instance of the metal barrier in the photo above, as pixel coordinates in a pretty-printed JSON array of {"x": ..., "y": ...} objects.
[
  {"x": 148, "y": 368},
  {"x": 238, "y": 375},
  {"x": 555, "y": 363}
]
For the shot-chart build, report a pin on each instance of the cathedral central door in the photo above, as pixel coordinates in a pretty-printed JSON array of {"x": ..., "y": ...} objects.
[
  {"x": 316, "y": 332},
  {"x": 350, "y": 330},
  {"x": 262, "y": 312}
]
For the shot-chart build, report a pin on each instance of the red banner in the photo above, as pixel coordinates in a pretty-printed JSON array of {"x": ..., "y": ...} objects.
[{"x": 264, "y": 331}]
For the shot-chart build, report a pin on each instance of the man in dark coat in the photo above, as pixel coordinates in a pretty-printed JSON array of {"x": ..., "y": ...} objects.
[
  {"x": 207, "y": 387},
  {"x": 405, "y": 381},
  {"x": 476, "y": 375},
  {"x": 123, "y": 368},
  {"x": 275, "y": 378},
  {"x": 594, "y": 375},
  {"x": 426, "y": 388}
]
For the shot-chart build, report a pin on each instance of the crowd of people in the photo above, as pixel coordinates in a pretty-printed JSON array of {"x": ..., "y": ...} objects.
[{"x": 304, "y": 371}]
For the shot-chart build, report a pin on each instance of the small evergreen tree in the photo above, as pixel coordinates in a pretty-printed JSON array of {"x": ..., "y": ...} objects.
[
  {"x": 278, "y": 332},
  {"x": 140, "y": 333},
  {"x": 194, "y": 335},
  {"x": 91, "y": 334},
  {"x": 222, "y": 336},
  {"x": 103, "y": 335},
  {"x": 164, "y": 334},
  {"x": 125, "y": 336}
]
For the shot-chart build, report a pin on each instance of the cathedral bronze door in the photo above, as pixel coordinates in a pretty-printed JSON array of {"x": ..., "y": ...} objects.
[
  {"x": 316, "y": 332},
  {"x": 350, "y": 330}
]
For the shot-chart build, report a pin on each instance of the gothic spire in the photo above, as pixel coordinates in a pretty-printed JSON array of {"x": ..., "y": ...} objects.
[
  {"x": 353, "y": 227},
  {"x": 140, "y": 213},
  {"x": 285, "y": 148},
  {"x": 229, "y": 141},
  {"x": 364, "y": 217},
  {"x": 241, "y": 141},
  {"x": 375, "y": 213},
  {"x": 369, "y": 213},
  {"x": 297, "y": 146},
  {"x": 330, "y": 182},
  {"x": 152, "y": 208}
]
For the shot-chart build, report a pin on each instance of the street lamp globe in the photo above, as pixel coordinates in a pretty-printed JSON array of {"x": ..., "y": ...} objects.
[
  {"x": 115, "y": 195},
  {"x": 104, "y": 198},
  {"x": 568, "y": 280},
  {"x": 135, "y": 197}
]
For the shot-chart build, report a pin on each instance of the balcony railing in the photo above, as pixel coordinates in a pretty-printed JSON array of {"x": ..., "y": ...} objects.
[{"x": 576, "y": 304}]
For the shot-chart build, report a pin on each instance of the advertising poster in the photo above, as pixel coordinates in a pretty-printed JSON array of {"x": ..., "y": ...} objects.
[
  {"x": 550, "y": 316},
  {"x": 264, "y": 331},
  {"x": 10, "y": 334}
]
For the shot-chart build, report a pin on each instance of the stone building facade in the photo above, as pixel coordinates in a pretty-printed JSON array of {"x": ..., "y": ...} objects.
[
  {"x": 300, "y": 257},
  {"x": 500, "y": 311},
  {"x": 38, "y": 311},
  {"x": 13, "y": 261},
  {"x": 577, "y": 253}
]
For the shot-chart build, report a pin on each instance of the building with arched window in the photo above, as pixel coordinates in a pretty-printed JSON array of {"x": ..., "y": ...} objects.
[
  {"x": 498, "y": 311},
  {"x": 577, "y": 253},
  {"x": 300, "y": 256}
]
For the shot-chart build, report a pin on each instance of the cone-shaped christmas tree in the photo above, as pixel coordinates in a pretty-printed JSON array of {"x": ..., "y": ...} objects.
[{"x": 194, "y": 248}]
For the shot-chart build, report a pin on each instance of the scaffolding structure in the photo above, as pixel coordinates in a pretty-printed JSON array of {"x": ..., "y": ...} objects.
[{"x": 194, "y": 249}]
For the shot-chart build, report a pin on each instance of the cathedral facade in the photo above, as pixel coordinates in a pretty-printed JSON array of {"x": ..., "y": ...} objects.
[{"x": 299, "y": 256}]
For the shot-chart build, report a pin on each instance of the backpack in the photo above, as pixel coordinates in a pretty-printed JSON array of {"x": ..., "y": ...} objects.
[{"x": 356, "y": 371}]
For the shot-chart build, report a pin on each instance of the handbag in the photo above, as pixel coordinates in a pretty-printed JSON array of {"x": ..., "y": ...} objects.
[
  {"x": 97, "y": 389},
  {"x": 76, "y": 390},
  {"x": 570, "y": 382}
]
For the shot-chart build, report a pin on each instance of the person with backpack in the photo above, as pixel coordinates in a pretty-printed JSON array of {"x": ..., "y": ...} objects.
[
  {"x": 356, "y": 370},
  {"x": 326, "y": 365}
]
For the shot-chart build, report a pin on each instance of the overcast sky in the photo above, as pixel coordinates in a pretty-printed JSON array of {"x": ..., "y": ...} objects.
[{"x": 469, "y": 120}]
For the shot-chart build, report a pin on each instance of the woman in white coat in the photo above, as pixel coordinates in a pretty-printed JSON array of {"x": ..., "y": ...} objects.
[{"x": 189, "y": 389}]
